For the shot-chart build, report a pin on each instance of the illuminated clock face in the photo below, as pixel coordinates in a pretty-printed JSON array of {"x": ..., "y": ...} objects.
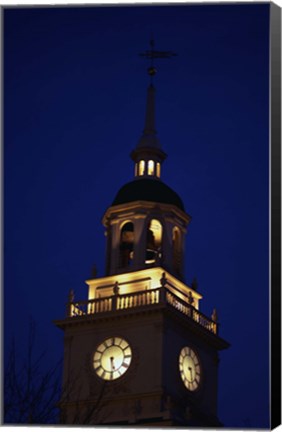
[
  {"x": 189, "y": 367},
  {"x": 112, "y": 358}
]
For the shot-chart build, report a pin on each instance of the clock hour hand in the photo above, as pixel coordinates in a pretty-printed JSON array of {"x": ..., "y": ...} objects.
[
  {"x": 190, "y": 370},
  {"x": 112, "y": 363}
]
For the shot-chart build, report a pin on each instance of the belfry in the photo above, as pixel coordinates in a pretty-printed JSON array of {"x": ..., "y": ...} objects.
[{"x": 138, "y": 351}]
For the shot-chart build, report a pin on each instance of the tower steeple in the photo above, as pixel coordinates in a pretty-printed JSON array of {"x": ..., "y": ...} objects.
[
  {"x": 140, "y": 332},
  {"x": 146, "y": 223}
]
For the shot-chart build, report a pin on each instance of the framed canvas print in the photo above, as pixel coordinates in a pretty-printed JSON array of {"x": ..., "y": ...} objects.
[{"x": 142, "y": 207}]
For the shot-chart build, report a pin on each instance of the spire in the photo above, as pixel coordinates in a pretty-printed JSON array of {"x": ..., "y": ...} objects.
[
  {"x": 148, "y": 154},
  {"x": 149, "y": 136}
]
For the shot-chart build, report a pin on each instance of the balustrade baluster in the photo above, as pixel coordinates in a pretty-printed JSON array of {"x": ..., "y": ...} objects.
[{"x": 141, "y": 298}]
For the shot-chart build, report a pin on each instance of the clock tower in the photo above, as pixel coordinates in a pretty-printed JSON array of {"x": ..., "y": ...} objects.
[{"x": 138, "y": 350}]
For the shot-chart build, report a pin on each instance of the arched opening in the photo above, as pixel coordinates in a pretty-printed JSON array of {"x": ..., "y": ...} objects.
[
  {"x": 141, "y": 168},
  {"x": 151, "y": 167},
  {"x": 176, "y": 249},
  {"x": 154, "y": 242},
  {"x": 126, "y": 244},
  {"x": 158, "y": 169}
]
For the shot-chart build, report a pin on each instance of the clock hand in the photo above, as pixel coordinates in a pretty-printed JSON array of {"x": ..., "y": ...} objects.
[
  {"x": 190, "y": 370},
  {"x": 112, "y": 363}
]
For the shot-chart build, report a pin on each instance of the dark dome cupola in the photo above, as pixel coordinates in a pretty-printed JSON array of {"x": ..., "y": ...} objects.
[{"x": 147, "y": 189}]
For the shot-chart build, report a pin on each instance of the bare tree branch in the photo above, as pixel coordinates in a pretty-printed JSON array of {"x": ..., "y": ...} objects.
[{"x": 33, "y": 395}]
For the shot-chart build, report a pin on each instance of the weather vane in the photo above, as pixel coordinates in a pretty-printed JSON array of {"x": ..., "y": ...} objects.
[{"x": 152, "y": 54}]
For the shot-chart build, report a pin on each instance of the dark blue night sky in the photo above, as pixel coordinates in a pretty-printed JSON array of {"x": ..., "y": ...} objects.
[{"x": 74, "y": 105}]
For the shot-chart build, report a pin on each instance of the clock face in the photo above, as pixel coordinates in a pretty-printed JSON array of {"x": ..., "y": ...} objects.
[
  {"x": 189, "y": 367},
  {"x": 112, "y": 358}
]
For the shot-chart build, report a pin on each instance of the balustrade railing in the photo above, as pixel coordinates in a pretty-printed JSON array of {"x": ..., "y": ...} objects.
[{"x": 141, "y": 299}]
